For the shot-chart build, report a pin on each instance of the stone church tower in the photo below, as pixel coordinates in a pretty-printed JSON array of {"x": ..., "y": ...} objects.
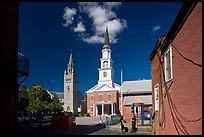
[{"x": 70, "y": 88}]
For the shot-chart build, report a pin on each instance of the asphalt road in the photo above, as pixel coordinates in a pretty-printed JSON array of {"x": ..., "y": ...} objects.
[{"x": 84, "y": 126}]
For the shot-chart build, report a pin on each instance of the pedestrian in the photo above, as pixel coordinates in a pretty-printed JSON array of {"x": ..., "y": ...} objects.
[
  {"x": 122, "y": 121},
  {"x": 134, "y": 129}
]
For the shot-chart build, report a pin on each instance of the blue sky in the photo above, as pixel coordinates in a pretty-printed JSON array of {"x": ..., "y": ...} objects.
[{"x": 48, "y": 31}]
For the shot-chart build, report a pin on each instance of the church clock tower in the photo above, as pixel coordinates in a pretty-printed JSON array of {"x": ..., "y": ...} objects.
[
  {"x": 70, "y": 88},
  {"x": 106, "y": 72}
]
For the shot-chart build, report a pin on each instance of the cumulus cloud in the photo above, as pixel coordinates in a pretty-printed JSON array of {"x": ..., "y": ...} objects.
[
  {"x": 80, "y": 27},
  {"x": 113, "y": 4},
  {"x": 155, "y": 28},
  {"x": 68, "y": 15},
  {"x": 102, "y": 16}
]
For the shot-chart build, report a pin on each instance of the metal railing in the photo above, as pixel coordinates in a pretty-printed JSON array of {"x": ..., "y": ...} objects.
[{"x": 23, "y": 67}]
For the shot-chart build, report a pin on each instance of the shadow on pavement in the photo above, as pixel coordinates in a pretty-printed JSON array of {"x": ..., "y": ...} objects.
[
  {"x": 79, "y": 130},
  {"x": 87, "y": 129}
]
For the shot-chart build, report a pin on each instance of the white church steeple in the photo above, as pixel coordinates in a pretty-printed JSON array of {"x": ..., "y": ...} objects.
[{"x": 106, "y": 72}]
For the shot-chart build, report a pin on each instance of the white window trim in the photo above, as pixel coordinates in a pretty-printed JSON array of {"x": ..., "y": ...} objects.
[
  {"x": 170, "y": 51},
  {"x": 110, "y": 97},
  {"x": 99, "y": 97},
  {"x": 91, "y": 98},
  {"x": 155, "y": 94}
]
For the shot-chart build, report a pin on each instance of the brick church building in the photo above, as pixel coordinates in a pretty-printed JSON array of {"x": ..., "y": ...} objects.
[{"x": 103, "y": 98}]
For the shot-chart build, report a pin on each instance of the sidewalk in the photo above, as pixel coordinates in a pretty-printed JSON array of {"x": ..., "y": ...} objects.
[{"x": 141, "y": 129}]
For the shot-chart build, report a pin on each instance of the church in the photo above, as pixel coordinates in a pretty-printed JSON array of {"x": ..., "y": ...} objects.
[
  {"x": 109, "y": 98},
  {"x": 103, "y": 98},
  {"x": 73, "y": 99}
]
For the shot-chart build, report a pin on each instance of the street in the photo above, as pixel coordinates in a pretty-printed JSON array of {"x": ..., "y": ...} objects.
[{"x": 85, "y": 126}]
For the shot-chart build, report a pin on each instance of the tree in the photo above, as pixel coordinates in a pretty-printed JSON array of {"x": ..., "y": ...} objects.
[{"x": 37, "y": 100}]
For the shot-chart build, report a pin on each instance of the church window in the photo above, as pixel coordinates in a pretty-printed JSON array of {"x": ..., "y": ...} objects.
[
  {"x": 105, "y": 64},
  {"x": 92, "y": 99},
  {"x": 70, "y": 70},
  {"x": 68, "y": 88},
  {"x": 104, "y": 74},
  {"x": 109, "y": 97},
  {"x": 100, "y": 97}
]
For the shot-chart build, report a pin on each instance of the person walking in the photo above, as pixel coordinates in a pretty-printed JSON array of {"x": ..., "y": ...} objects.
[{"x": 134, "y": 129}]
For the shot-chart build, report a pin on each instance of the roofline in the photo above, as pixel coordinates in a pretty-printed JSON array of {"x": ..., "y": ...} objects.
[
  {"x": 179, "y": 21},
  {"x": 136, "y": 80}
]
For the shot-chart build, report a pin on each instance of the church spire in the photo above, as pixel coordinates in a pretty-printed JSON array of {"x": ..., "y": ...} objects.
[
  {"x": 106, "y": 41},
  {"x": 70, "y": 60}
]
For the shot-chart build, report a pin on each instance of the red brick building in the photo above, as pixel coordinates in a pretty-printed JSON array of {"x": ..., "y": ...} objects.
[
  {"x": 138, "y": 92},
  {"x": 177, "y": 75}
]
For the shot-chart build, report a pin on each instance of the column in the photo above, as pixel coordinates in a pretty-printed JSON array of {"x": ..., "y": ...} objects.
[
  {"x": 112, "y": 108},
  {"x": 102, "y": 109},
  {"x": 93, "y": 110},
  {"x": 96, "y": 110}
]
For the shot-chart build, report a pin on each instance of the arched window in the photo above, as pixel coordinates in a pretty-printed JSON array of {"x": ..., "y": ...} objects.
[
  {"x": 104, "y": 74},
  {"x": 100, "y": 97},
  {"x": 109, "y": 97},
  {"x": 105, "y": 64},
  {"x": 92, "y": 98}
]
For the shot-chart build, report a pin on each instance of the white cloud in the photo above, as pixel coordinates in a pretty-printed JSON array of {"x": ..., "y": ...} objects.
[
  {"x": 93, "y": 39},
  {"x": 102, "y": 16},
  {"x": 113, "y": 4},
  {"x": 156, "y": 28},
  {"x": 68, "y": 15},
  {"x": 80, "y": 27}
]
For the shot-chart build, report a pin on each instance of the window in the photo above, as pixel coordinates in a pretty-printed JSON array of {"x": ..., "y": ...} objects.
[
  {"x": 104, "y": 74},
  {"x": 100, "y": 97},
  {"x": 168, "y": 65},
  {"x": 109, "y": 97},
  {"x": 92, "y": 99},
  {"x": 68, "y": 88},
  {"x": 105, "y": 64},
  {"x": 156, "y": 97},
  {"x": 92, "y": 109}
]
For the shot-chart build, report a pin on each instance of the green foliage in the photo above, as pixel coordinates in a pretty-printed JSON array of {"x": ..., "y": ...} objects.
[
  {"x": 81, "y": 114},
  {"x": 37, "y": 100}
]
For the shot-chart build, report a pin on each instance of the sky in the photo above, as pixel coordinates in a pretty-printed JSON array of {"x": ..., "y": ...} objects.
[{"x": 50, "y": 31}]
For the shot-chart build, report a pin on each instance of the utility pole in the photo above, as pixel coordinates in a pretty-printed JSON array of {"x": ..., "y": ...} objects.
[{"x": 121, "y": 97}]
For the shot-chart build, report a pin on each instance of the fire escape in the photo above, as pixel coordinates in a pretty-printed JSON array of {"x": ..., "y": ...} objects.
[{"x": 23, "y": 68}]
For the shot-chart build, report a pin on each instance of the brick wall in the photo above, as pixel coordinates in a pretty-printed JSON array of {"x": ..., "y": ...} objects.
[
  {"x": 96, "y": 96},
  {"x": 186, "y": 89}
]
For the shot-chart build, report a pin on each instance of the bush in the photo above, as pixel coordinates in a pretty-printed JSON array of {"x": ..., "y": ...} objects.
[
  {"x": 68, "y": 113},
  {"x": 81, "y": 114}
]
